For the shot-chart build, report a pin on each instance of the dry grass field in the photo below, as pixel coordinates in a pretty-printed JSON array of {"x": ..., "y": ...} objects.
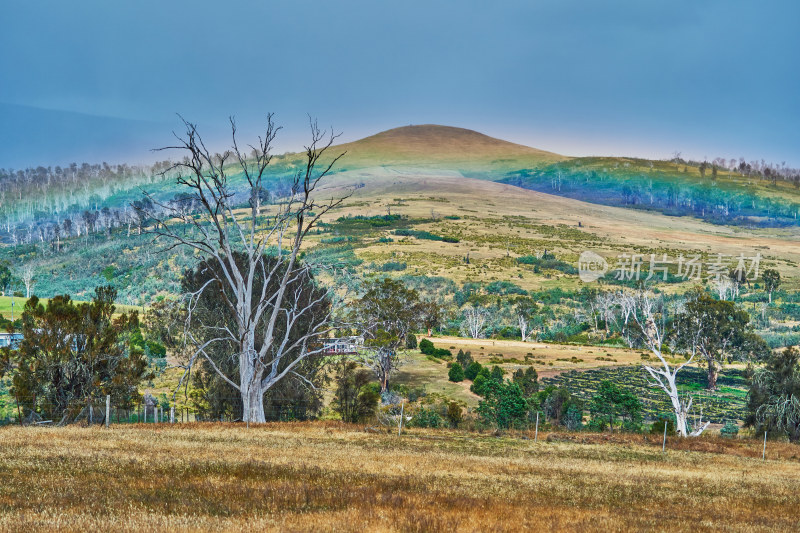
[
  {"x": 331, "y": 477},
  {"x": 499, "y": 220}
]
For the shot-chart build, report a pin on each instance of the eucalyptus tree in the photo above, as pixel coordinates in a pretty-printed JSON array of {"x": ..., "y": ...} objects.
[
  {"x": 386, "y": 314},
  {"x": 715, "y": 330},
  {"x": 260, "y": 294},
  {"x": 475, "y": 319},
  {"x": 774, "y": 398},
  {"x": 650, "y": 317},
  {"x": 772, "y": 279},
  {"x": 526, "y": 310}
]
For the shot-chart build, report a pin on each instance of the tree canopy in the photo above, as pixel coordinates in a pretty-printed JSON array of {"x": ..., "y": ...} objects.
[{"x": 73, "y": 354}]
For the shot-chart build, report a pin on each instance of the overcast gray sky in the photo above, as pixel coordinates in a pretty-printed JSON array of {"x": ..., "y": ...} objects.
[{"x": 100, "y": 80}]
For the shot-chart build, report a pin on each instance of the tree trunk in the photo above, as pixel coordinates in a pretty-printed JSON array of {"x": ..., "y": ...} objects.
[
  {"x": 253, "y": 402},
  {"x": 384, "y": 381},
  {"x": 713, "y": 373},
  {"x": 680, "y": 422}
]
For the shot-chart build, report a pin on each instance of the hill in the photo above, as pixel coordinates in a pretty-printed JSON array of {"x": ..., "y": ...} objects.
[
  {"x": 48, "y": 204},
  {"x": 442, "y": 147}
]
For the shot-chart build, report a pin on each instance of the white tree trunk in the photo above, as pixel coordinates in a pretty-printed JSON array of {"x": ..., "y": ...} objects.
[{"x": 523, "y": 328}]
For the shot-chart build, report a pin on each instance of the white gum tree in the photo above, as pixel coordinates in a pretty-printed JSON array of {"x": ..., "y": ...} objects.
[
  {"x": 648, "y": 313},
  {"x": 230, "y": 220}
]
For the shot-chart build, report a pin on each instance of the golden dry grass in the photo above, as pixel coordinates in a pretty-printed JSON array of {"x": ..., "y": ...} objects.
[
  {"x": 331, "y": 477},
  {"x": 499, "y": 219}
]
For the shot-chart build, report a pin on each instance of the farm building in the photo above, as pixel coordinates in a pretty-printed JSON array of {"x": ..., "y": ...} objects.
[
  {"x": 343, "y": 345},
  {"x": 10, "y": 339}
]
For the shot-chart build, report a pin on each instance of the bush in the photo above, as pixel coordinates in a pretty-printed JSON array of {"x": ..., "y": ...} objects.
[
  {"x": 505, "y": 405},
  {"x": 528, "y": 380},
  {"x": 454, "y": 415},
  {"x": 597, "y": 424},
  {"x": 573, "y": 418},
  {"x": 426, "y": 418},
  {"x": 411, "y": 342},
  {"x": 479, "y": 384},
  {"x": 456, "y": 373},
  {"x": 156, "y": 349},
  {"x": 392, "y": 266},
  {"x": 657, "y": 428},
  {"x": 356, "y": 396},
  {"x": 464, "y": 359},
  {"x": 473, "y": 370},
  {"x": 442, "y": 353},
  {"x": 426, "y": 347},
  {"x": 497, "y": 373},
  {"x": 730, "y": 429}
]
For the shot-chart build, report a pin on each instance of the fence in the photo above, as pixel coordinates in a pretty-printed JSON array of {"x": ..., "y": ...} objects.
[
  {"x": 29, "y": 411},
  {"x": 103, "y": 412}
]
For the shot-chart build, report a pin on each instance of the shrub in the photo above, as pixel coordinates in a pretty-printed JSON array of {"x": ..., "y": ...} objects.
[
  {"x": 505, "y": 405},
  {"x": 528, "y": 380},
  {"x": 156, "y": 349},
  {"x": 411, "y": 342},
  {"x": 419, "y": 234},
  {"x": 497, "y": 373},
  {"x": 356, "y": 397},
  {"x": 504, "y": 288},
  {"x": 456, "y": 373},
  {"x": 426, "y": 347},
  {"x": 730, "y": 429},
  {"x": 472, "y": 370},
  {"x": 561, "y": 407},
  {"x": 464, "y": 359},
  {"x": 612, "y": 402},
  {"x": 479, "y": 384},
  {"x": 573, "y": 418},
  {"x": 454, "y": 415},
  {"x": 426, "y": 418},
  {"x": 392, "y": 266},
  {"x": 441, "y": 353},
  {"x": 597, "y": 424},
  {"x": 657, "y": 428}
]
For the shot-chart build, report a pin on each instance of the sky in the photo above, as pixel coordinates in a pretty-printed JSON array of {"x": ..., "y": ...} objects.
[{"x": 104, "y": 81}]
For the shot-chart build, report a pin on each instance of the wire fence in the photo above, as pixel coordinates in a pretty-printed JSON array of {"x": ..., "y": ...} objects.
[{"x": 36, "y": 412}]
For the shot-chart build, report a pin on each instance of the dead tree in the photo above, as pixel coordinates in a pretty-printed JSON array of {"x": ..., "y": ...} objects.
[{"x": 229, "y": 222}]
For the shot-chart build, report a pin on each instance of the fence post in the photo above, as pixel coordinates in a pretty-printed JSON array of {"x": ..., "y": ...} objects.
[
  {"x": 108, "y": 409},
  {"x": 536, "y": 433},
  {"x": 664, "y": 444},
  {"x": 400, "y": 422},
  {"x": 764, "y": 451}
]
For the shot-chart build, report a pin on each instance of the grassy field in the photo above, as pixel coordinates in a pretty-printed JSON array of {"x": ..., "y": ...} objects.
[
  {"x": 498, "y": 223},
  {"x": 331, "y": 477},
  {"x": 19, "y": 306}
]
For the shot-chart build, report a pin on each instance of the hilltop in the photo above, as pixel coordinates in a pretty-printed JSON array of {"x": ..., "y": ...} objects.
[{"x": 435, "y": 146}]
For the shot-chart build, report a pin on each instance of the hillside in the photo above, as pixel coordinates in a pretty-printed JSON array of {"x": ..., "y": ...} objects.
[
  {"x": 675, "y": 188},
  {"x": 47, "y": 204},
  {"x": 442, "y": 147}
]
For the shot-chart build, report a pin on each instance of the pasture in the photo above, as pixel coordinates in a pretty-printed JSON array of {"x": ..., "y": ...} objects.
[{"x": 326, "y": 476}]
